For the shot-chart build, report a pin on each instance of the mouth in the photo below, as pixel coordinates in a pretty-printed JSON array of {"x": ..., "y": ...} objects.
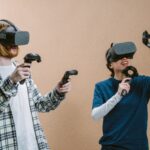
[
  {"x": 124, "y": 63},
  {"x": 12, "y": 47}
]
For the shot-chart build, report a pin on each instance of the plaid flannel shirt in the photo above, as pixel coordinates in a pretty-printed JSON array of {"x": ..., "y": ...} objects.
[{"x": 37, "y": 102}]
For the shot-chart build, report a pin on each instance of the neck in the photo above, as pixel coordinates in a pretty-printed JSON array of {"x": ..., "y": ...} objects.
[
  {"x": 119, "y": 76},
  {"x": 5, "y": 61}
]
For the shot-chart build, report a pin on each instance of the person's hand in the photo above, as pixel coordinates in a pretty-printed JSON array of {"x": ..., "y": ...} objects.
[
  {"x": 63, "y": 88},
  {"x": 124, "y": 85},
  {"x": 21, "y": 72}
]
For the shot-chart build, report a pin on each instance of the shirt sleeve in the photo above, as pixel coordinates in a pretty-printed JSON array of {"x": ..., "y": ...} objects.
[
  {"x": 104, "y": 109},
  {"x": 48, "y": 102},
  {"x": 146, "y": 85},
  {"x": 97, "y": 98},
  {"x": 7, "y": 90}
]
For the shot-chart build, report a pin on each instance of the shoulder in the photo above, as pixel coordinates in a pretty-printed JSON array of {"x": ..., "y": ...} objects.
[
  {"x": 104, "y": 82},
  {"x": 142, "y": 78}
]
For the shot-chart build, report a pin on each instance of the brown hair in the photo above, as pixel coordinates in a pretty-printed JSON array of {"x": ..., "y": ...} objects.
[{"x": 109, "y": 63}]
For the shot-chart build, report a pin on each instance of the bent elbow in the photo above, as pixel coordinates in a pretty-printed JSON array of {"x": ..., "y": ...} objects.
[{"x": 95, "y": 117}]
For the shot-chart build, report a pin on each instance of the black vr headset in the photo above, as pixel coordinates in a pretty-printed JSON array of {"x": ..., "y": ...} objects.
[
  {"x": 12, "y": 35},
  {"x": 120, "y": 50}
]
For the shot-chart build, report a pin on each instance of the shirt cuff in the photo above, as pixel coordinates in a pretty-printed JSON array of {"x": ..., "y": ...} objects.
[
  {"x": 9, "y": 88},
  {"x": 58, "y": 95}
]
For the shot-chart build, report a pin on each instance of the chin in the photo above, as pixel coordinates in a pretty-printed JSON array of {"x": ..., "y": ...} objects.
[
  {"x": 124, "y": 66},
  {"x": 13, "y": 53}
]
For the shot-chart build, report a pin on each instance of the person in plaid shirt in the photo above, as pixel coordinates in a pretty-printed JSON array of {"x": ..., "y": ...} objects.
[{"x": 20, "y": 127}]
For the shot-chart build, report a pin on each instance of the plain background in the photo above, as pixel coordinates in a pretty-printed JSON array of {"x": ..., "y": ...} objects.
[{"x": 75, "y": 34}]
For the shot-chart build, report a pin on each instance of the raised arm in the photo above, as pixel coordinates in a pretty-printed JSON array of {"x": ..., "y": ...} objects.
[{"x": 102, "y": 107}]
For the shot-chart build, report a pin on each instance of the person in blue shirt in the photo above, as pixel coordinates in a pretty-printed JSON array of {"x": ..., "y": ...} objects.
[{"x": 124, "y": 116}]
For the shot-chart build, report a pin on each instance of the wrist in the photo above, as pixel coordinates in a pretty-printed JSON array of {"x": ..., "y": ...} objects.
[
  {"x": 12, "y": 80},
  {"x": 118, "y": 94},
  {"x": 59, "y": 93}
]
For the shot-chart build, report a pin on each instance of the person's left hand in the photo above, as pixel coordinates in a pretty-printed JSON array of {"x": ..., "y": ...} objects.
[{"x": 65, "y": 88}]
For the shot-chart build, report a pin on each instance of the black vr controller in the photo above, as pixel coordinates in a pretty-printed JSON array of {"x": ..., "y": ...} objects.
[
  {"x": 12, "y": 35},
  {"x": 29, "y": 58},
  {"x": 145, "y": 38},
  {"x": 66, "y": 76},
  {"x": 120, "y": 50},
  {"x": 130, "y": 72},
  {"x": 32, "y": 57}
]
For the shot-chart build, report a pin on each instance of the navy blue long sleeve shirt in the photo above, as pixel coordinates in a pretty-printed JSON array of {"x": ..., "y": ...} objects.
[{"x": 125, "y": 126}]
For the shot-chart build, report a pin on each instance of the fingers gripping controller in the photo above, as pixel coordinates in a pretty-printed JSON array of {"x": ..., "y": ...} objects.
[
  {"x": 67, "y": 74},
  {"x": 124, "y": 92},
  {"x": 130, "y": 72},
  {"x": 29, "y": 58}
]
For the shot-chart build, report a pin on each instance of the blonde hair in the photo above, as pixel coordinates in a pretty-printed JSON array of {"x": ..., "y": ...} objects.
[
  {"x": 3, "y": 49},
  {"x": 3, "y": 25}
]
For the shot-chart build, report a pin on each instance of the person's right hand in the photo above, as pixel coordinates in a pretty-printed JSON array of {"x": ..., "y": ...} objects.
[
  {"x": 124, "y": 85},
  {"x": 21, "y": 72}
]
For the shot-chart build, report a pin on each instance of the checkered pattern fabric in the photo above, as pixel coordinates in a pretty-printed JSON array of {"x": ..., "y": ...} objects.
[{"x": 38, "y": 103}]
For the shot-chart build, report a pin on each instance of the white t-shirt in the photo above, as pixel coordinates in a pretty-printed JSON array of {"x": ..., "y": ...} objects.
[{"x": 21, "y": 113}]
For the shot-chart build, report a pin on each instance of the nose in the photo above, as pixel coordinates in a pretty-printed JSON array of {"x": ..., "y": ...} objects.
[{"x": 124, "y": 58}]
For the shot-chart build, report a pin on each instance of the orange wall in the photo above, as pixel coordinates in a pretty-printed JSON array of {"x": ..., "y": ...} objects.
[{"x": 74, "y": 34}]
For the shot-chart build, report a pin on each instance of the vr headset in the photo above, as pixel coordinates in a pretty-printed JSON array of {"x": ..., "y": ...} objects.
[
  {"x": 12, "y": 35},
  {"x": 120, "y": 50}
]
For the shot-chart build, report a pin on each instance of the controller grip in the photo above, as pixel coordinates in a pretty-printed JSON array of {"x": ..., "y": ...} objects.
[
  {"x": 124, "y": 92},
  {"x": 22, "y": 81},
  {"x": 67, "y": 74}
]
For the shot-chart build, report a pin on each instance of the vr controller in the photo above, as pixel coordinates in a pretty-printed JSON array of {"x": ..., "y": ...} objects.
[
  {"x": 130, "y": 72},
  {"x": 145, "y": 38},
  {"x": 120, "y": 50},
  {"x": 29, "y": 58},
  {"x": 67, "y": 74},
  {"x": 12, "y": 35}
]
